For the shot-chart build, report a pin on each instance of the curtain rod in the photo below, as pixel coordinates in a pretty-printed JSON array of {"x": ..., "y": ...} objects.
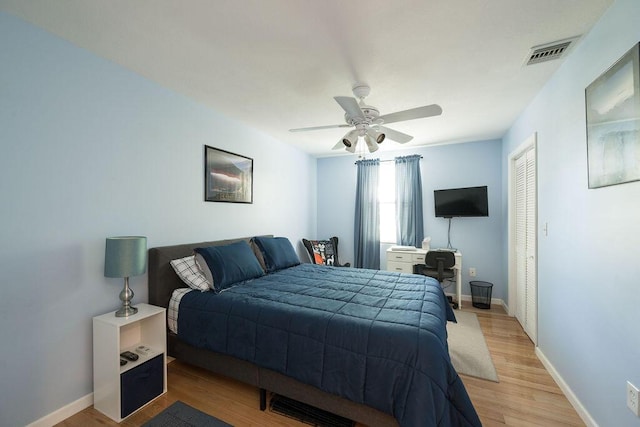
[{"x": 384, "y": 161}]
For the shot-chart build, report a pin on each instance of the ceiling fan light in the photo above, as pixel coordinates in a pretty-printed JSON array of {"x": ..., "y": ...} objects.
[
  {"x": 352, "y": 148},
  {"x": 370, "y": 143},
  {"x": 378, "y": 137},
  {"x": 350, "y": 139}
]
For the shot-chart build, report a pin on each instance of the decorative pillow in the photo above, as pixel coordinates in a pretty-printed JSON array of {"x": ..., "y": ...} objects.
[
  {"x": 323, "y": 252},
  {"x": 231, "y": 264},
  {"x": 188, "y": 271},
  {"x": 278, "y": 253}
]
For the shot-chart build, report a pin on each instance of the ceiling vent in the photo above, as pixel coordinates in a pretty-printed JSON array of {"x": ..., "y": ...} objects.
[{"x": 549, "y": 52}]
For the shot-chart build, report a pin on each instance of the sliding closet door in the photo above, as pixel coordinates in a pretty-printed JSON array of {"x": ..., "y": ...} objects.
[{"x": 525, "y": 242}]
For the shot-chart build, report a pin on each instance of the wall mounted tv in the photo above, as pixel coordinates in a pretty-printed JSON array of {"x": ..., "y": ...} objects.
[{"x": 469, "y": 202}]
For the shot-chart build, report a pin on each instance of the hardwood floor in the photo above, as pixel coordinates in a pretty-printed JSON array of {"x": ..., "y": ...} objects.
[{"x": 525, "y": 396}]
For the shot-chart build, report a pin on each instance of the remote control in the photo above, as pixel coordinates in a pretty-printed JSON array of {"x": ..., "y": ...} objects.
[
  {"x": 123, "y": 362},
  {"x": 143, "y": 350},
  {"x": 129, "y": 356}
]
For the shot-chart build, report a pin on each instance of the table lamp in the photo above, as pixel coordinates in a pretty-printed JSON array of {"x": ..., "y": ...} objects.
[{"x": 125, "y": 256}]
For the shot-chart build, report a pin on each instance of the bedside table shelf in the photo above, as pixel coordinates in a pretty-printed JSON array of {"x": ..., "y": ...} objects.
[
  {"x": 141, "y": 358},
  {"x": 121, "y": 390}
]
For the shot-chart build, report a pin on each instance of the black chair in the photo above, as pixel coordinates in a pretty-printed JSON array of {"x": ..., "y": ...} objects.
[
  {"x": 439, "y": 265},
  {"x": 324, "y": 252}
]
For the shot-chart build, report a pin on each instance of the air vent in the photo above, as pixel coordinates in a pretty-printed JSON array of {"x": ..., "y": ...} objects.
[{"x": 549, "y": 52}]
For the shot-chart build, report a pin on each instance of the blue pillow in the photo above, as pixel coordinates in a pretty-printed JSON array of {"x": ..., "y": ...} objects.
[
  {"x": 278, "y": 253},
  {"x": 231, "y": 264}
]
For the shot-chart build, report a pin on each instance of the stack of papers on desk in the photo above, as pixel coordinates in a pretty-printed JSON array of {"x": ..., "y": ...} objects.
[{"x": 403, "y": 248}]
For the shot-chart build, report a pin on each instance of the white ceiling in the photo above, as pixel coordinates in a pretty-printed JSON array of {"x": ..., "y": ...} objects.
[{"x": 277, "y": 64}]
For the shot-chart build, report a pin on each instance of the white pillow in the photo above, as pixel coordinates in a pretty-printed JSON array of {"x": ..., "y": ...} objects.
[
  {"x": 203, "y": 268},
  {"x": 188, "y": 271}
]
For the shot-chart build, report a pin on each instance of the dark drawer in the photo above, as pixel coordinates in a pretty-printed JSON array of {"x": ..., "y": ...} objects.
[{"x": 141, "y": 384}]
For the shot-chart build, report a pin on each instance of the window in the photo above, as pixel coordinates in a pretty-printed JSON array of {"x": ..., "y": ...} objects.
[{"x": 387, "y": 199}]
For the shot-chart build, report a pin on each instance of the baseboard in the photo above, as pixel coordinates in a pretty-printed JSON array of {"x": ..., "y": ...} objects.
[
  {"x": 573, "y": 399},
  {"x": 64, "y": 412},
  {"x": 70, "y": 409},
  {"x": 494, "y": 301}
]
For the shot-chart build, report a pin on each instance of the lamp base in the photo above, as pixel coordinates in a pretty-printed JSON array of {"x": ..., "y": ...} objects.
[
  {"x": 126, "y": 311},
  {"x": 125, "y": 296}
]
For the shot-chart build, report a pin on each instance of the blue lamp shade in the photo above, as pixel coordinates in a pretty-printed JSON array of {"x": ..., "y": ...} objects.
[{"x": 125, "y": 256}]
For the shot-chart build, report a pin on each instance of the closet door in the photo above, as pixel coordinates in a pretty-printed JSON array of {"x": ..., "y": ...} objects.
[{"x": 525, "y": 242}]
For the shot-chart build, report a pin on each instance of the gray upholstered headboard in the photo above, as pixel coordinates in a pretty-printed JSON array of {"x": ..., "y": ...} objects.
[{"x": 162, "y": 278}]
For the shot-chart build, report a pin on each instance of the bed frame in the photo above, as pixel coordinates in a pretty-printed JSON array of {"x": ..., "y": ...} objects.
[{"x": 163, "y": 280}]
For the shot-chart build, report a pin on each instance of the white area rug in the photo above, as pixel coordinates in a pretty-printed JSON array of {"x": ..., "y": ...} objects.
[{"x": 468, "y": 349}]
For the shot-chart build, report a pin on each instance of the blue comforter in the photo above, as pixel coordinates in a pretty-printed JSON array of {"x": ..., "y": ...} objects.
[{"x": 374, "y": 337}]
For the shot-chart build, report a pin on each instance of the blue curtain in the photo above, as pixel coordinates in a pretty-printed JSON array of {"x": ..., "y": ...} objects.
[
  {"x": 367, "y": 219},
  {"x": 409, "y": 221}
]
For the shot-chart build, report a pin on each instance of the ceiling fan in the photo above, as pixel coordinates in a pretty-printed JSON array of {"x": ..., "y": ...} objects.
[{"x": 368, "y": 121}]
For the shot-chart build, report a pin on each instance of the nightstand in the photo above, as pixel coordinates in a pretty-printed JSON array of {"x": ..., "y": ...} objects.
[{"x": 119, "y": 391}]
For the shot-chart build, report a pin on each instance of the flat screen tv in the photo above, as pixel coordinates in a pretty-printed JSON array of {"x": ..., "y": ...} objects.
[{"x": 454, "y": 202}]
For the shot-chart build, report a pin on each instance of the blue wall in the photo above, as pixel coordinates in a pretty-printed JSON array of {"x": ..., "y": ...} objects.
[
  {"x": 444, "y": 166},
  {"x": 91, "y": 150},
  {"x": 588, "y": 269}
]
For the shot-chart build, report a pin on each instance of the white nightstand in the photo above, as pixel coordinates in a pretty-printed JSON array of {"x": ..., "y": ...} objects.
[{"x": 119, "y": 391}]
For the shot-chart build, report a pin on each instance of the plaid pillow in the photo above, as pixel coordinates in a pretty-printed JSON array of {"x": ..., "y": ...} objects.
[{"x": 188, "y": 271}]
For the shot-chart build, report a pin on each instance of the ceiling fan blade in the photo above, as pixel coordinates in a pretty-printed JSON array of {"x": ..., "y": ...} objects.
[
  {"x": 320, "y": 127},
  {"x": 400, "y": 137},
  {"x": 338, "y": 146},
  {"x": 350, "y": 105},
  {"x": 413, "y": 113}
]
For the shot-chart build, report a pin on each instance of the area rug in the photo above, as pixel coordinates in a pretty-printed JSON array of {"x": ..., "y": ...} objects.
[
  {"x": 182, "y": 415},
  {"x": 468, "y": 349}
]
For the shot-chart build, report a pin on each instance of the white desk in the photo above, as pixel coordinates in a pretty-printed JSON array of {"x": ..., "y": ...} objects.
[{"x": 403, "y": 262}]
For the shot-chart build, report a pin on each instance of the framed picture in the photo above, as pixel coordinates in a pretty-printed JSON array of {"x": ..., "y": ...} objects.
[
  {"x": 228, "y": 177},
  {"x": 613, "y": 123}
]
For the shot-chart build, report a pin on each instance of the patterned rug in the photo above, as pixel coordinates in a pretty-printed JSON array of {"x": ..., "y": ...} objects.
[{"x": 182, "y": 415}]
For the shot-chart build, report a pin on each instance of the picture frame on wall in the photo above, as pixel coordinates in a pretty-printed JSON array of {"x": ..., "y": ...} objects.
[
  {"x": 613, "y": 123},
  {"x": 228, "y": 177}
]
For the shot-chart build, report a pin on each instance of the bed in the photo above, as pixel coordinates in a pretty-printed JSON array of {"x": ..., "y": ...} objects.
[{"x": 363, "y": 344}]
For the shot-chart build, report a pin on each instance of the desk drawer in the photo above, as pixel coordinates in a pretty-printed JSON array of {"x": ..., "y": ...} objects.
[
  {"x": 400, "y": 267},
  {"x": 417, "y": 258},
  {"x": 400, "y": 256}
]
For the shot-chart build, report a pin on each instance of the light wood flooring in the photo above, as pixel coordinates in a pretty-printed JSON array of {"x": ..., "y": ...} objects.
[{"x": 525, "y": 396}]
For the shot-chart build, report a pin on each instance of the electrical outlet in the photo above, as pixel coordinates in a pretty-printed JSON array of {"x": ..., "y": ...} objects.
[
  {"x": 632, "y": 399},
  {"x": 472, "y": 272}
]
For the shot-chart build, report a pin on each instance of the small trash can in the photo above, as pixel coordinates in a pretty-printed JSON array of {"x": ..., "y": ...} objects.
[{"x": 481, "y": 294}]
